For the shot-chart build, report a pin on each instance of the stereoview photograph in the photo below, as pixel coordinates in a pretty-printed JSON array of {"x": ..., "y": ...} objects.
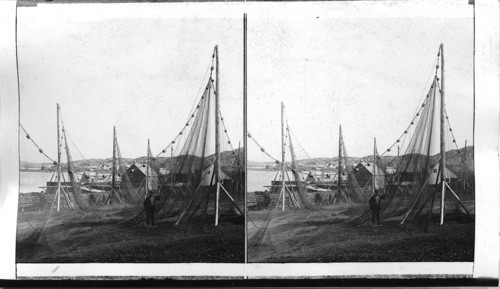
[
  {"x": 131, "y": 121},
  {"x": 360, "y": 136}
]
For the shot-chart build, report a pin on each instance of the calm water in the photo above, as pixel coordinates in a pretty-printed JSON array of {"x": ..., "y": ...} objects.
[
  {"x": 32, "y": 181},
  {"x": 258, "y": 179}
]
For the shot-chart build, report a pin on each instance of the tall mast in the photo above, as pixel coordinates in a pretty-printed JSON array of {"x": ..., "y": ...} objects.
[
  {"x": 113, "y": 170},
  {"x": 465, "y": 169},
  {"x": 58, "y": 193},
  {"x": 442, "y": 164},
  {"x": 217, "y": 144},
  {"x": 340, "y": 161},
  {"x": 245, "y": 106},
  {"x": 171, "y": 167},
  {"x": 282, "y": 156},
  {"x": 238, "y": 166},
  {"x": 397, "y": 166},
  {"x": 374, "y": 164},
  {"x": 147, "y": 170}
]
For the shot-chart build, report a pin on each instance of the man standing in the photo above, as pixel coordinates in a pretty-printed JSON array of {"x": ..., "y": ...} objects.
[
  {"x": 374, "y": 203},
  {"x": 149, "y": 207}
]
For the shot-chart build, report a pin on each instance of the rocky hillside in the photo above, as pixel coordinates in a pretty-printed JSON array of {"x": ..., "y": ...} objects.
[
  {"x": 453, "y": 160},
  {"x": 227, "y": 159}
]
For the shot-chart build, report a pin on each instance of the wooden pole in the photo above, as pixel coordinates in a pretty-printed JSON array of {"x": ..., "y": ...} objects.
[
  {"x": 245, "y": 127},
  {"x": 442, "y": 140},
  {"x": 113, "y": 170},
  {"x": 398, "y": 165},
  {"x": 374, "y": 164},
  {"x": 217, "y": 144},
  {"x": 282, "y": 157},
  {"x": 238, "y": 168},
  {"x": 171, "y": 167},
  {"x": 339, "y": 180},
  {"x": 245, "y": 132},
  {"x": 147, "y": 170},
  {"x": 58, "y": 193},
  {"x": 464, "y": 174}
]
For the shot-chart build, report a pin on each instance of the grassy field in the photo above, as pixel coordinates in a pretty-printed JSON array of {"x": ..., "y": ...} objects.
[
  {"x": 105, "y": 236},
  {"x": 328, "y": 236}
]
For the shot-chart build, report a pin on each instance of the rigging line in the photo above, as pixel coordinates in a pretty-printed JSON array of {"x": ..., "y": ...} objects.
[
  {"x": 25, "y": 154},
  {"x": 409, "y": 126},
  {"x": 193, "y": 108},
  {"x": 449, "y": 126},
  {"x": 428, "y": 78},
  {"x": 421, "y": 97},
  {"x": 66, "y": 134},
  {"x": 192, "y": 115},
  {"x": 69, "y": 137},
  {"x": 262, "y": 148},
  {"x": 39, "y": 148},
  {"x": 179, "y": 134},
  {"x": 300, "y": 145},
  {"x": 210, "y": 64},
  {"x": 290, "y": 133},
  {"x": 229, "y": 140}
]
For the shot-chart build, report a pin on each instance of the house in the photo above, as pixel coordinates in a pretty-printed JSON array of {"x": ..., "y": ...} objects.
[
  {"x": 164, "y": 171},
  {"x": 434, "y": 178},
  {"x": 390, "y": 170},
  {"x": 137, "y": 175},
  {"x": 330, "y": 166},
  {"x": 207, "y": 176},
  {"x": 364, "y": 172}
]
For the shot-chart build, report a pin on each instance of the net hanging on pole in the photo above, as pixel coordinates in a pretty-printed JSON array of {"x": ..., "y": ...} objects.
[
  {"x": 127, "y": 191},
  {"x": 75, "y": 194},
  {"x": 353, "y": 190},
  {"x": 189, "y": 190}
]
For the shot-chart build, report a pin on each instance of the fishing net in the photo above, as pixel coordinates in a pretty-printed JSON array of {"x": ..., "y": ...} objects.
[
  {"x": 152, "y": 172},
  {"x": 353, "y": 192},
  {"x": 410, "y": 196},
  {"x": 75, "y": 194},
  {"x": 413, "y": 193},
  {"x": 126, "y": 190},
  {"x": 37, "y": 235},
  {"x": 189, "y": 191},
  {"x": 270, "y": 230},
  {"x": 301, "y": 189}
]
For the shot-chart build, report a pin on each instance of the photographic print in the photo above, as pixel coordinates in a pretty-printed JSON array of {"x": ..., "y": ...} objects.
[
  {"x": 131, "y": 127},
  {"x": 360, "y": 132}
]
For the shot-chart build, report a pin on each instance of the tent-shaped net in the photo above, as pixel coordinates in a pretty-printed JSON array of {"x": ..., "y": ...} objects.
[
  {"x": 198, "y": 186},
  {"x": 303, "y": 200},
  {"x": 414, "y": 194}
]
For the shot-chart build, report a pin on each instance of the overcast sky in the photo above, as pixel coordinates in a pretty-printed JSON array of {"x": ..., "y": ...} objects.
[
  {"x": 362, "y": 66},
  {"x": 136, "y": 66},
  {"x": 139, "y": 66}
]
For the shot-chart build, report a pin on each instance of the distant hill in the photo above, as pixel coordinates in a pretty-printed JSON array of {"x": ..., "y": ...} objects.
[
  {"x": 227, "y": 159},
  {"x": 453, "y": 161}
]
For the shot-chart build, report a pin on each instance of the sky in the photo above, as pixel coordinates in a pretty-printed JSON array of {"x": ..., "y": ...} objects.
[
  {"x": 139, "y": 67},
  {"x": 364, "y": 67}
]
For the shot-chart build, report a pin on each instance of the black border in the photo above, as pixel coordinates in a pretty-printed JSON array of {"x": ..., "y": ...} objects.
[{"x": 411, "y": 282}]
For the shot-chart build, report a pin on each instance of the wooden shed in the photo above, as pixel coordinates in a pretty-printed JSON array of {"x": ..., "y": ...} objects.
[
  {"x": 137, "y": 174},
  {"x": 364, "y": 171}
]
